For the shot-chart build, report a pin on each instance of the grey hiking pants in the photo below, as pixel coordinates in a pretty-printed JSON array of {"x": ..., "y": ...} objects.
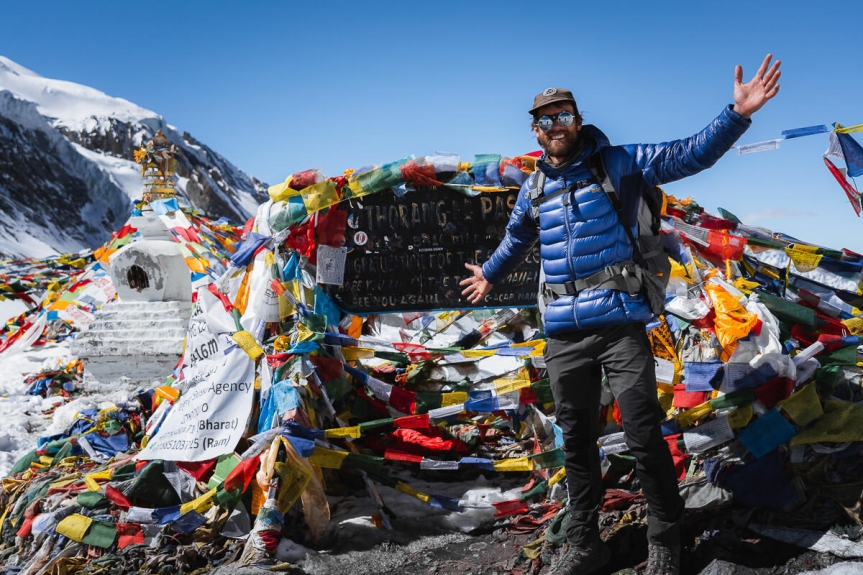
[{"x": 574, "y": 362}]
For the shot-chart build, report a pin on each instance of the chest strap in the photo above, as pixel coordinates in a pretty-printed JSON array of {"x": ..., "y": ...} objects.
[{"x": 625, "y": 276}]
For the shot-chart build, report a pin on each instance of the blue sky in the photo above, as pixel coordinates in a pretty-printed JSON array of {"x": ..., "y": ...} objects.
[{"x": 278, "y": 87}]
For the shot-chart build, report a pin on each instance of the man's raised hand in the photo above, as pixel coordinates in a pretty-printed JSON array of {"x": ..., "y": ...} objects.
[{"x": 751, "y": 96}]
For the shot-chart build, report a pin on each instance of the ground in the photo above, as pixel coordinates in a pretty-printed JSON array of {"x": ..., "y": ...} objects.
[{"x": 497, "y": 553}]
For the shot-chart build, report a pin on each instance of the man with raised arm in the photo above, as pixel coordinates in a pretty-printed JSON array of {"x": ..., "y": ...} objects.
[{"x": 596, "y": 319}]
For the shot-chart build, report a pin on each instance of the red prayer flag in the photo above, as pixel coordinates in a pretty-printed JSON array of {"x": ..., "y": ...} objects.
[
  {"x": 412, "y": 421},
  {"x": 688, "y": 399},
  {"x": 393, "y": 455},
  {"x": 853, "y": 195},
  {"x": 404, "y": 401},
  {"x": 511, "y": 507},
  {"x": 129, "y": 534},
  {"x": 117, "y": 498},
  {"x": 200, "y": 470},
  {"x": 328, "y": 368},
  {"x": 242, "y": 474}
]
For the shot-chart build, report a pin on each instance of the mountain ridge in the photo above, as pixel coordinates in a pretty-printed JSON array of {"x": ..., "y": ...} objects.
[{"x": 67, "y": 177}]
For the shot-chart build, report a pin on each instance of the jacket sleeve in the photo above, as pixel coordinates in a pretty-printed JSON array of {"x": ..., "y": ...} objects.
[
  {"x": 672, "y": 161},
  {"x": 521, "y": 233}
]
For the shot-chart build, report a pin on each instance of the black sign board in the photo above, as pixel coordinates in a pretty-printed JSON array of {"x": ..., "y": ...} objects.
[{"x": 408, "y": 253}]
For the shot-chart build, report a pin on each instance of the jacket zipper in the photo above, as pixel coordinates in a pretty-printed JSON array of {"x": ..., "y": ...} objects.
[{"x": 568, "y": 230}]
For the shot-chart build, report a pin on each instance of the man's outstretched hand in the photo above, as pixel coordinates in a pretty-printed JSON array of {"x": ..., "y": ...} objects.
[
  {"x": 751, "y": 96},
  {"x": 477, "y": 285}
]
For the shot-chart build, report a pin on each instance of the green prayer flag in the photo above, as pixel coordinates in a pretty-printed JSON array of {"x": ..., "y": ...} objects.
[
  {"x": 787, "y": 311},
  {"x": 368, "y": 463},
  {"x": 542, "y": 389},
  {"x": 428, "y": 401},
  {"x": 553, "y": 458},
  {"x": 733, "y": 399},
  {"x": 90, "y": 499},
  {"x": 337, "y": 388},
  {"x": 100, "y": 534},
  {"x": 224, "y": 465}
]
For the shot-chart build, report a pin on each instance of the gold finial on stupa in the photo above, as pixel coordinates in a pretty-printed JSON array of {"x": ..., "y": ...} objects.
[{"x": 157, "y": 167}]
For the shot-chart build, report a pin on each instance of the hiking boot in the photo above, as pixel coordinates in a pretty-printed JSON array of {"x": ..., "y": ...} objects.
[
  {"x": 582, "y": 560},
  {"x": 662, "y": 559}
]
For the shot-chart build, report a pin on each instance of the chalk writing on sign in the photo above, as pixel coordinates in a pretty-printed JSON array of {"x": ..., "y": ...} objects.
[{"x": 411, "y": 251}]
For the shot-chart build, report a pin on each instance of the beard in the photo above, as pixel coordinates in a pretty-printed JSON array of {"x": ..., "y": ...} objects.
[{"x": 560, "y": 149}]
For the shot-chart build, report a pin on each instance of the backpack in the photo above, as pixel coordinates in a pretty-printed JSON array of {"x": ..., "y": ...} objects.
[{"x": 652, "y": 268}]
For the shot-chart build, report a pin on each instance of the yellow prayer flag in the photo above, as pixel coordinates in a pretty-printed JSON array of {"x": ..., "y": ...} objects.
[
  {"x": 338, "y": 432},
  {"x": 470, "y": 353},
  {"x": 355, "y": 353},
  {"x": 295, "y": 478},
  {"x": 201, "y": 504},
  {"x": 803, "y": 406},
  {"x": 247, "y": 343},
  {"x": 514, "y": 464},
  {"x": 355, "y": 189},
  {"x": 91, "y": 483},
  {"x": 283, "y": 191},
  {"x": 557, "y": 477},
  {"x": 321, "y": 195},
  {"x": 489, "y": 189},
  {"x": 803, "y": 257},
  {"x": 854, "y": 325},
  {"x": 102, "y": 475},
  {"x": 690, "y": 416},
  {"x": 405, "y": 488},
  {"x": 66, "y": 480},
  {"x": 74, "y": 527},
  {"x": 849, "y": 129},
  {"x": 741, "y": 416},
  {"x": 304, "y": 333},
  {"x": 10, "y": 485},
  {"x": 509, "y": 384},
  {"x": 537, "y": 347},
  {"x": 329, "y": 458},
  {"x": 666, "y": 399},
  {"x": 454, "y": 398}
]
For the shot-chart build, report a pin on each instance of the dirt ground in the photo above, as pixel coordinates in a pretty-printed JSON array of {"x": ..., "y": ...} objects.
[{"x": 723, "y": 552}]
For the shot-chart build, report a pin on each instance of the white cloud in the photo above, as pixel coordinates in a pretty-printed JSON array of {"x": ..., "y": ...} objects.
[{"x": 775, "y": 214}]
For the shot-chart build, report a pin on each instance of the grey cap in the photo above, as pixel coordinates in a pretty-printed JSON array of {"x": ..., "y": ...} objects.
[{"x": 550, "y": 96}]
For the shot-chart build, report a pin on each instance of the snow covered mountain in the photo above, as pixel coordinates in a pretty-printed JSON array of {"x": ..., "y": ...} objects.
[{"x": 67, "y": 173}]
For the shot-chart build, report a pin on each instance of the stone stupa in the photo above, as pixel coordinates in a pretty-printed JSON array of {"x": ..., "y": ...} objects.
[{"x": 139, "y": 337}]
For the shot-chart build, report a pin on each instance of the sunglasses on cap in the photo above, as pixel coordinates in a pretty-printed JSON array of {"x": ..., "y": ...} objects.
[{"x": 563, "y": 119}]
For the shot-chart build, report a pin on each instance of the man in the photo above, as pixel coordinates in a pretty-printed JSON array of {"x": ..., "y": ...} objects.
[{"x": 602, "y": 326}]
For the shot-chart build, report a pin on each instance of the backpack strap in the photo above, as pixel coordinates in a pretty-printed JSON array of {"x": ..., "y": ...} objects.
[
  {"x": 537, "y": 197},
  {"x": 535, "y": 193},
  {"x": 597, "y": 168}
]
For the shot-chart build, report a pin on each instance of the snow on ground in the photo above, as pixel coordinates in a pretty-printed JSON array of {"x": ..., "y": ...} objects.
[{"x": 21, "y": 414}]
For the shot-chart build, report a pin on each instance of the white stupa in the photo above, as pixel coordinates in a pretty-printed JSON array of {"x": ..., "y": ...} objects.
[{"x": 139, "y": 337}]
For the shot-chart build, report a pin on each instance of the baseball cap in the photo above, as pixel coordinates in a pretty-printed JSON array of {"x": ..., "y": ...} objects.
[{"x": 550, "y": 96}]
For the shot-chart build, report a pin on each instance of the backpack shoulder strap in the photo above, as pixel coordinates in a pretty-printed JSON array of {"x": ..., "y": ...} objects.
[
  {"x": 597, "y": 168},
  {"x": 535, "y": 193}
]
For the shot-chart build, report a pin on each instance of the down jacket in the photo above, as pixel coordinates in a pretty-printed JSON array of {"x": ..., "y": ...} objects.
[{"x": 582, "y": 236}]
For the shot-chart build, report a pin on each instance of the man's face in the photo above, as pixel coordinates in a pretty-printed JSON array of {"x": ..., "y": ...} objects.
[{"x": 559, "y": 142}]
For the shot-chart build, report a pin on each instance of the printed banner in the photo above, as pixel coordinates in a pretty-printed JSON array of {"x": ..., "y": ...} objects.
[{"x": 210, "y": 417}]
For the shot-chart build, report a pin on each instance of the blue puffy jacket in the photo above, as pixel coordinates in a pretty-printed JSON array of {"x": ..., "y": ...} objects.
[{"x": 585, "y": 236}]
